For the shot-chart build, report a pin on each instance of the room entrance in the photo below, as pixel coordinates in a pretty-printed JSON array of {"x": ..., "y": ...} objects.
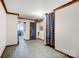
[
  {"x": 21, "y": 30},
  {"x": 32, "y": 30}
]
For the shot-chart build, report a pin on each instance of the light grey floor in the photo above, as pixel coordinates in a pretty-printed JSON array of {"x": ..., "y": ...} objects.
[{"x": 31, "y": 49}]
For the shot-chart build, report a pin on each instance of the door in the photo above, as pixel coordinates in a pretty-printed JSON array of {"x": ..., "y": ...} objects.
[
  {"x": 50, "y": 29},
  {"x": 47, "y": 29},
  {"x": 32, "y": 30}
]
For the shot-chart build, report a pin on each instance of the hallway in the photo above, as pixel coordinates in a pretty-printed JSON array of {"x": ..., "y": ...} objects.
[{"x": 31, "y": 49}]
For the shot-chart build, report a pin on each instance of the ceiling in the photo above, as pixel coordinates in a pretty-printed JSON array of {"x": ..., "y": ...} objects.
[{"x": 33, "y": 8}]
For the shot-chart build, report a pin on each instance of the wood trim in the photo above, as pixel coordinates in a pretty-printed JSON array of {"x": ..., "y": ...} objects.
[
  {"x": 12, "y": 13},
  {"x": 21, "y": 18},
  {"x": 7, "y": 12},
  {"x": 3, "y": 52},
  {"x": 12, "y": 45},
  {"x": 27, "y": 39},
  {"x": 39, "y": 39},
  {"x": 67, "y": 4},
  {"x": 25, "y": 18},
  {"x": 64, "y": 53},
  {"x": 3, "y": 5},
  {"x": 5, "y": 49},
  {"x": 29, "y": 19},
  {"x": 5, "y": 8}
]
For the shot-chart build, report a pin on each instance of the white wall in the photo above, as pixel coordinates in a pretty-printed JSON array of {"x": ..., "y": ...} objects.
[
  {"x": 11, "y": 26},
  {"x": 2, "y": 29},
  {"x": 41, "y": 32},
  {"x": 67, "y": 30},
  {"x": 44, "y": 29},
  {"x": 27, "y": 32},
  {"x": 37, "y": 30}
]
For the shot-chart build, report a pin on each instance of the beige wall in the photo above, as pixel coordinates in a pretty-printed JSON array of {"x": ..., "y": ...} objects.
[
  {"x": 41, "y": 32},
  {"x": 11, "y": 29},
  {"x": 44, "y": 29},
  {"x": 2, "y": 29},
  {"x": 37, "y": 26},
  {"x": 67, "y": 30}
]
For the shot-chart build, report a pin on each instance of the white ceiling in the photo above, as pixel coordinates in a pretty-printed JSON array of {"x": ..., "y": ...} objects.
[{"x": 32, "y": 8}]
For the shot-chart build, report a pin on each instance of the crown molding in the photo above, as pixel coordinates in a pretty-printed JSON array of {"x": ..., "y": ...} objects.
[
  {"x": 12, "y": 13},
  {"x": 6, "y": 10},
  {"x": 67, "y": 4}
]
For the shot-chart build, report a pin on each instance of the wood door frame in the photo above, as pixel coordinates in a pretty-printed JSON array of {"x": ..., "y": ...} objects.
[{"x": 30, "y": 29}]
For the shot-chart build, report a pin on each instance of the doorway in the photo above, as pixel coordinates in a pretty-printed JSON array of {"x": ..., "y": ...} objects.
[
  {"x": 21, "y": 30},
  {"x": 32, "y": 30}
]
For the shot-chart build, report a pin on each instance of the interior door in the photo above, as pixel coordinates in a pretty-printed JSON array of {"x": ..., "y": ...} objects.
[
  {"x": 32, "y": 30},
  {"x": 47, "y": 29},
  {"x": 52, "y": 27}
]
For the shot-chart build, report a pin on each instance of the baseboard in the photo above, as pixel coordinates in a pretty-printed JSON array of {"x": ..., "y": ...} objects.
[
  {"x": 3, "y": 52},
  {"x": 46, "y": 44},
  {"x": 39, "y": 39},
  {"x": 12, "y": 45},
  {"x": 59, "y": 51},
  {"x": 8, "y": 46},
  {"x": 27, "y": 39},
  {"x": 49, "y": 46},
  {"x": 64, "y": 53}
]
